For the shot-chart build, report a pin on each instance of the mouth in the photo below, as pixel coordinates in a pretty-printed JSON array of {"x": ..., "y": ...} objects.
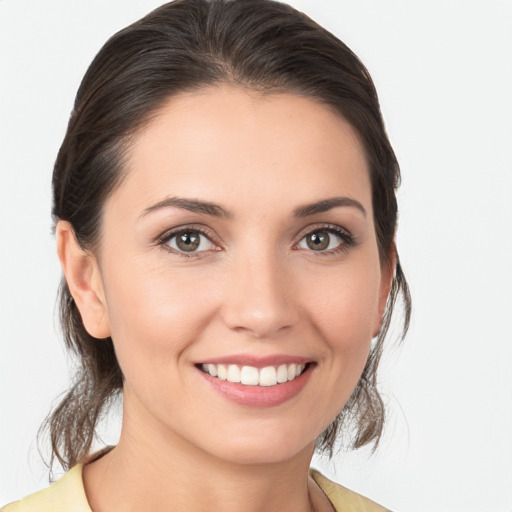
[{"x": 246, "y": 375}]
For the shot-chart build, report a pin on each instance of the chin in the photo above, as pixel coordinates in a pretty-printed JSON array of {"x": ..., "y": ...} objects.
[{"x": 263, "y": 449}]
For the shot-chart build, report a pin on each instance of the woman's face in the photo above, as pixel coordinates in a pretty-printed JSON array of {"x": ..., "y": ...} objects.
[{"x": 241, "y": 246}]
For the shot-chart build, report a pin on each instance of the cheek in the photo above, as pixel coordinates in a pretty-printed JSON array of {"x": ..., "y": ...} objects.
[
  {"x": 345, "y": 304},
  {"x": 155, "y": 314},
  {"x": 344, "y": 315}
]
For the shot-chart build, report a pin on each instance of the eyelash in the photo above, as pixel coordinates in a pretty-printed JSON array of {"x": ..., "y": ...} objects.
[
  {"x": 347, "y": 239},
  {"x": 164, "y": 239}
]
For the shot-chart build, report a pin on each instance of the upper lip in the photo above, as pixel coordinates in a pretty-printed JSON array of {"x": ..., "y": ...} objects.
[{"x": 257, "y": 361}]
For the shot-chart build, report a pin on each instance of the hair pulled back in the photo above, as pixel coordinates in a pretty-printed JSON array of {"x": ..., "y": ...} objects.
[{"x": 185, "y": 45}]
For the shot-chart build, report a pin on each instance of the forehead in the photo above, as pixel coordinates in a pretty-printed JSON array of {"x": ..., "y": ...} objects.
[{"x": 241, "y": 148}]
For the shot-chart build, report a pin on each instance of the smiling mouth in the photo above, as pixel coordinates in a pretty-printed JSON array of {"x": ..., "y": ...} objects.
[{"x": 252, "y": 376}]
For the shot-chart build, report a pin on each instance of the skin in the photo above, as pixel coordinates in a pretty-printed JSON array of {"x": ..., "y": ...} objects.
[{"x": 257, "y": 288}]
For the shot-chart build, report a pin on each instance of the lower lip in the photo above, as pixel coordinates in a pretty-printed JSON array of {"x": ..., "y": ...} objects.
[{"x": 259, "y": 396}]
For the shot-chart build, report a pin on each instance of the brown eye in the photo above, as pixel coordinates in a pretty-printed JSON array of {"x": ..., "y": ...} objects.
[
  {"x": 326, "y": 240},
  {"x": 190, "y": 241},
  {"x": 318, "y": 241}
]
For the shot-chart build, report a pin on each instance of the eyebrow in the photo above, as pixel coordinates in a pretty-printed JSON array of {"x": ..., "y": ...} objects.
[
  {"x": 193, "y": 205},
  {"x": 326, "y": 205},
  {"x": 215, "y": 210}
]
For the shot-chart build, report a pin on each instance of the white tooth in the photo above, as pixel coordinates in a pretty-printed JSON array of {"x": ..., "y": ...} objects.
[
  {"x": 222, "y": 373},
  {"x": 268, "y": 376},
  {"x": 299, "y": 369},
  {"x": 212, "y": 370},
  {"x": 282, "y": 374},
  {"x": 233, "y": 373},
  {"x": 291, "y": 371},
  {"x": 249, "y": 376},
  {"x": 204, "y": 367}
]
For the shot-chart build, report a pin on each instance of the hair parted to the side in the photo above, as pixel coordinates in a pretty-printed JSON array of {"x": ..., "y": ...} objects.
[{"x": 184, "y": 45}]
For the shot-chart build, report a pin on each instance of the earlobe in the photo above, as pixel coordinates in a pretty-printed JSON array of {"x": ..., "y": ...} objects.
[
  {"x": 83, "y": 277},
  {"x": 387, "y": 275}
]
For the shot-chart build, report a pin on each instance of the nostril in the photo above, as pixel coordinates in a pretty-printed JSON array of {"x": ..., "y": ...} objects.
[
  {"x": 259, "y": 297},
  {"x": 258, "y": 322}
]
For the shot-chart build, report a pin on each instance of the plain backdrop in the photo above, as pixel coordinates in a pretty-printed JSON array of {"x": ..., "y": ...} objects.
[{"x": 443, "y": 70}]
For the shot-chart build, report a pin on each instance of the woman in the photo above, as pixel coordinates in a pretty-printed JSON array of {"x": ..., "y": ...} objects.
[{"x": 225, "y": 212}]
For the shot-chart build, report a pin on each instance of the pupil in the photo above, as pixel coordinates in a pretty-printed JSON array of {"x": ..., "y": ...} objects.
[
  {"x": 318, "y": 241},
  {"x": 188, "y": 241}
]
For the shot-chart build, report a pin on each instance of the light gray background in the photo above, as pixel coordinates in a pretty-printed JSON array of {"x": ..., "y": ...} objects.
[{"x": 443, "y": 70}]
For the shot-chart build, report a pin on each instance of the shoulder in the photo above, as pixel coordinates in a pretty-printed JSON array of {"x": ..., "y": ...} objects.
[
  {"x": 65, "y": 495},
  {"x": 344, "y": 499}
]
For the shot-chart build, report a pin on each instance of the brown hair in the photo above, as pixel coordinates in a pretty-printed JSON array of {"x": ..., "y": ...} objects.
[{"x": 183, "y": 45}]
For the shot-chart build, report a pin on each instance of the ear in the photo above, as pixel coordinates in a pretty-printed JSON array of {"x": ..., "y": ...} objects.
[
  {"x": 83, "y": 277},
  {"x": 386, "y": 279}
]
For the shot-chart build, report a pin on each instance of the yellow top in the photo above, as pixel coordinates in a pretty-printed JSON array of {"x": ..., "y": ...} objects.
[{"x": 68, "y": 495}]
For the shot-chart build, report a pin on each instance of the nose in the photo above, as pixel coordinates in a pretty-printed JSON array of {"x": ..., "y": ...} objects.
[{"x": 260, "y": 298}]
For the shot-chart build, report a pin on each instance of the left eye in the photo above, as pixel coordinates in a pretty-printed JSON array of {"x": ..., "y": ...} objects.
[
  {"x": 321, "y": 240},
  {"x": 190, "y": 241}
]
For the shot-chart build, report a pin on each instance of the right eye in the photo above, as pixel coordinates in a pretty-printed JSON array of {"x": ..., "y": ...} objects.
[{"x": 189, "y": 242}]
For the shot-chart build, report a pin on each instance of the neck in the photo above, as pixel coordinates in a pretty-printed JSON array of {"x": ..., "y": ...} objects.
[{"x": 151, "y": 470}]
